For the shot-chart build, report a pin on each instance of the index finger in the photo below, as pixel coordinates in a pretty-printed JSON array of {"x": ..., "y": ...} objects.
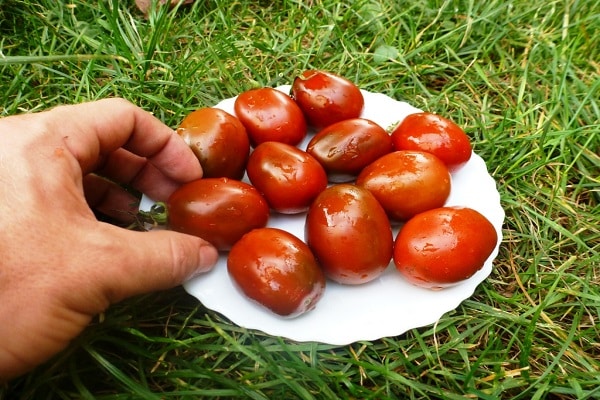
[{"x": 93, "y": 130}]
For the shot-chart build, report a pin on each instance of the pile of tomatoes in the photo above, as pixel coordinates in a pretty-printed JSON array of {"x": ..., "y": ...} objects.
[{"x": 352, "y": 183}]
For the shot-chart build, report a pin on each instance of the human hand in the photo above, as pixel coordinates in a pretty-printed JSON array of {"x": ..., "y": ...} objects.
[{"x": 60, "y": 266}]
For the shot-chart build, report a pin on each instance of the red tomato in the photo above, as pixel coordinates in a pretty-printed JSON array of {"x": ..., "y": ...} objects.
[
  {"x": 346, "y": 147},
  {"x": 407, "y": 182},
  {"x": 326, "y": 98},
  {"x": 277, "y": 270},
  {"x": 288, "y": 177},
  {"x": 434, "y": 134},
  {"x": 219, "y": 210},
  {"x": 219, "y": 141},
  {"x": 443, "y": 246},
  {"x": 350, "y": 234},
  {"x": 270, "y": 115}
]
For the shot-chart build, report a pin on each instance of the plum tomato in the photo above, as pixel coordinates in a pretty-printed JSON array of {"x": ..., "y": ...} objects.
[
  {"x": 326, "y": 98},
  {"x": 407, "y": 182},
  {"x": 435, "y": 134},
  {"x": 219, "y": 141},
  {"x": 289, "y": 178},
  {"x": 219, "y": 210},
  {"x": 270, "y": 115},
  {"x": 346, "y": 147},
  {"x": 443, "y": 246},
  {"x": 350, "y": 234},
  {"x": 277, "y": 270}
]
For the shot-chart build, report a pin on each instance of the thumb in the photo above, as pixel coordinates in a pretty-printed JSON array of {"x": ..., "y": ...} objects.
[{"x": 150, "y": 261}]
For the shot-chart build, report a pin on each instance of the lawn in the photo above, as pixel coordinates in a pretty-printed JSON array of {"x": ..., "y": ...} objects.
[{"x": 523, "y": 79}]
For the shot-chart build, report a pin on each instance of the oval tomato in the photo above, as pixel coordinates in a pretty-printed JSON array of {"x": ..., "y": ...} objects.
[
  {"x": 350, "y": 234},
  {"x": 219, "y": 210},
  {"x": 219, "y": 141},
  {"x": 289, "y": 178},
  {"x": 326, "y": 98},
  {"x": 346, "y": 147},
  {"x": 443, "y": 246},
  {"x": 407, "y": 182},
  {"x": 434, "y": 134},
  {"x": 277, "y": 270},
  {"x": 270, "y": 115}
]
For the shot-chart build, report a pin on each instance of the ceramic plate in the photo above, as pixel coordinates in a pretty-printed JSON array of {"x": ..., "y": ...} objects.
[{"x": 387, "y": 306}]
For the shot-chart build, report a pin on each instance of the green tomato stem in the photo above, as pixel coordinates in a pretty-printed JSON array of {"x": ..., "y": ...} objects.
[{"x": 156, "y": 216}]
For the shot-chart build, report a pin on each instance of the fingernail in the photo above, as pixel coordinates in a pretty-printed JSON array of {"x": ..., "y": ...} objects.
[{"x": 208, "y": 256}]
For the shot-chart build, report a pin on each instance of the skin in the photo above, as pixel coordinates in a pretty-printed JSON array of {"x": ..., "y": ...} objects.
[{"x": 60, "y": 266}]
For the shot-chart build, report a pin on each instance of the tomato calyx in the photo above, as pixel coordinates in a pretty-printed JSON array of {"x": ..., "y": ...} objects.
[
  {"x": 158, "y": 215},
  {"x": 306, "y": 75}
]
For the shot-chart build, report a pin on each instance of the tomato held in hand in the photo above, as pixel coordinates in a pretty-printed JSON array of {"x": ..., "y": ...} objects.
[
  {"x": 434, "y": 134},
  {"x": 219, "y": 141},
  {"x": 443, "y": 246},
  {"x": 277, "y": 270},
  {"x": 219, "y": 210},
  {"x": 346, "y": 147},
  {"x": 326, "y": 98},
  {"x": 350, "y": 234},
  {"x": 288, "y": 177},
  {"x": 270, "y": 115},
  {"x": 407, "y": 182}
]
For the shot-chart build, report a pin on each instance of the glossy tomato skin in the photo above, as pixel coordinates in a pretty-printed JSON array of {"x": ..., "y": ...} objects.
[
  {"x": 270, "y": 115},
  {"x": 444, "y": 246},
  {"x": 435, "y": 134},
  {"x": 219, "y": 210},
  {"x": 326, "y": 98},
  {"x": 277, "y": 270},
  {"x": 346, "y": 147},
  {"x": 407, "y": 182},
  {"x": 219, "y": 141},
  {"x": 289, "y": 178},
  {"x": 350, "y": 234}
]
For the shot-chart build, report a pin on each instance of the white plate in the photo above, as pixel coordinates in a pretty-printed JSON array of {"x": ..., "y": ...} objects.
[{"x": 387, "y": 306}]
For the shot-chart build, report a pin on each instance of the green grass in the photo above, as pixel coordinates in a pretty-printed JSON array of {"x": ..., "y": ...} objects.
[{"x": 522, "y": 77}]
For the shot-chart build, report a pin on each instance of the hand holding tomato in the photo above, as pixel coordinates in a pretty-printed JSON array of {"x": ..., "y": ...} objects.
[
  {"x": 219, "y": 210},
  {"x": 54, "y": 171},
  {"x": 219, "y": 140}
]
